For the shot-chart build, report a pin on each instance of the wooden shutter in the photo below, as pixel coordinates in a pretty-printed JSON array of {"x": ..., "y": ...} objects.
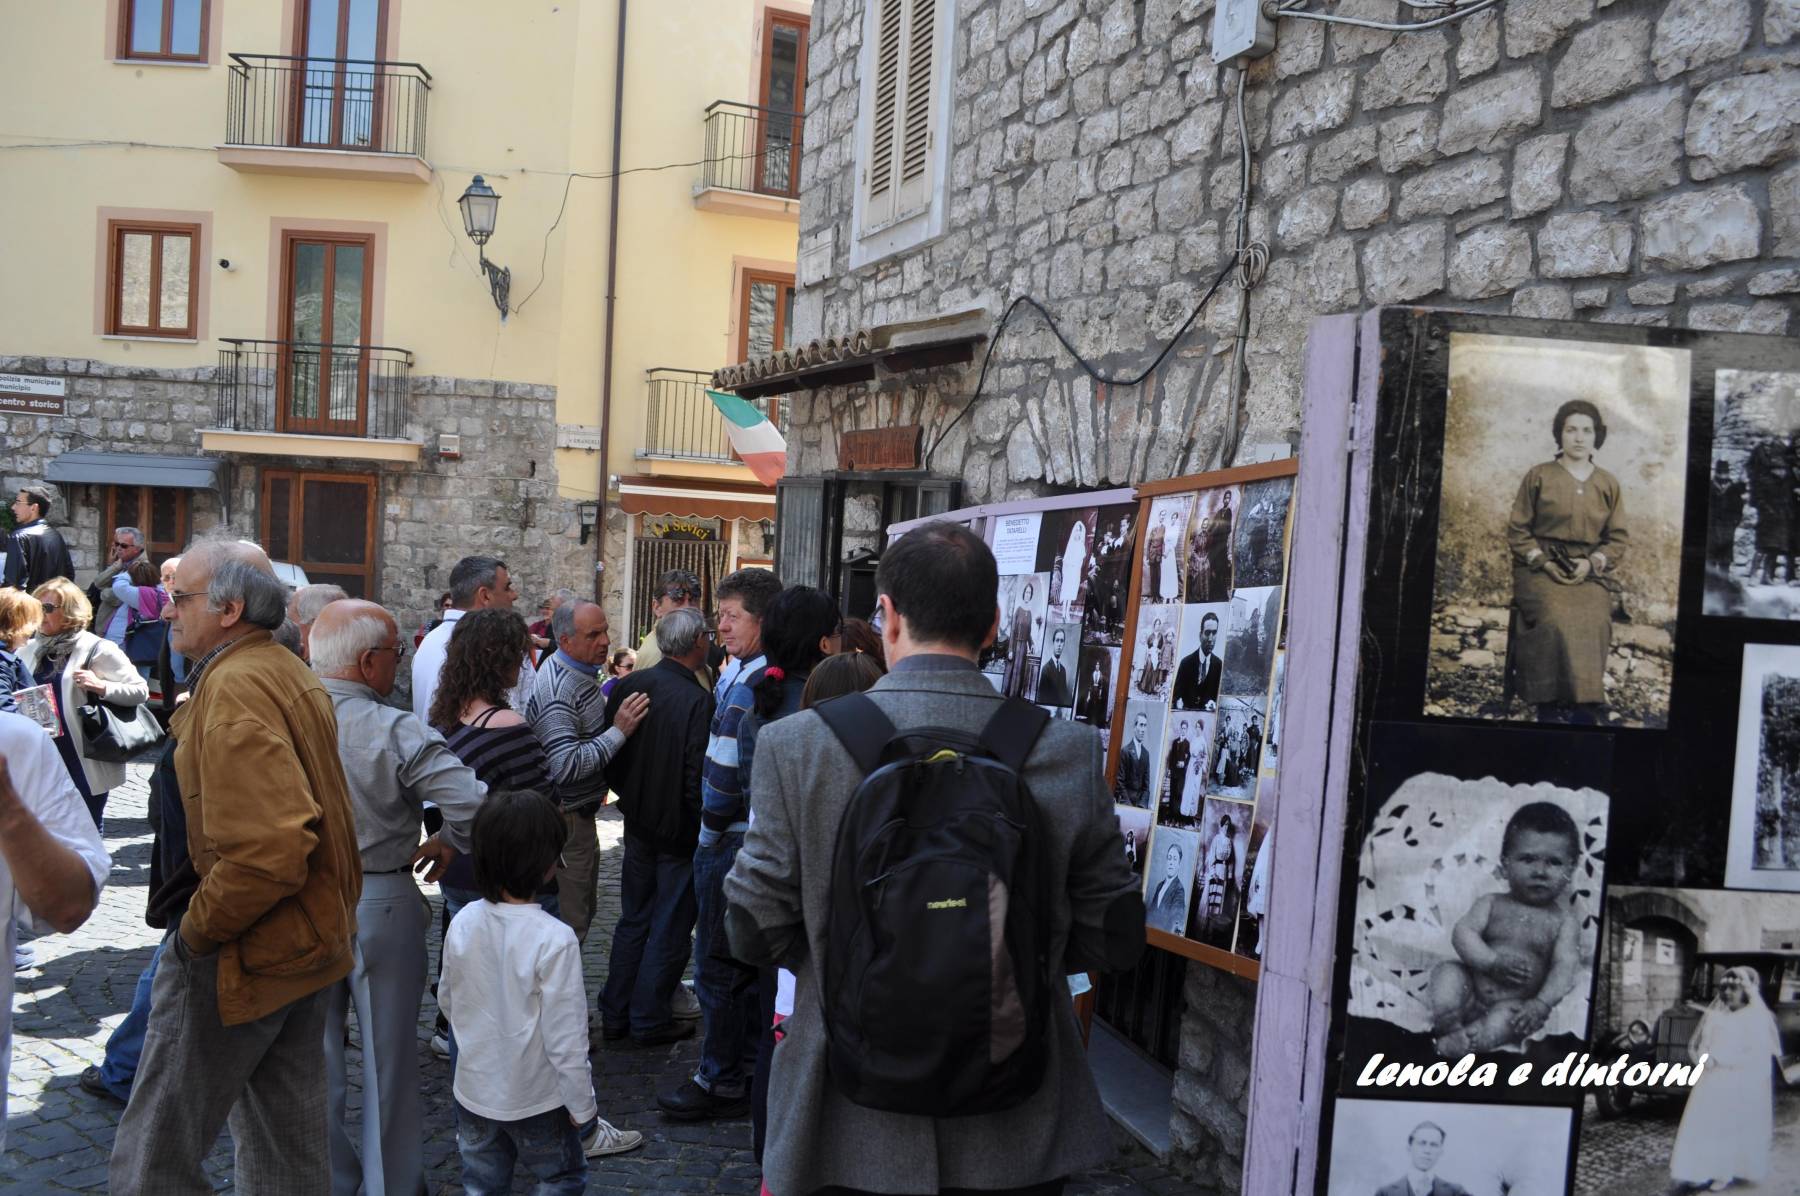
[{"x": 898, "y": 175}]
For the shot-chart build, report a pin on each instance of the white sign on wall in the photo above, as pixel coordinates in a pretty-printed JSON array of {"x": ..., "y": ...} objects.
[{"x": 578, "y": 436}]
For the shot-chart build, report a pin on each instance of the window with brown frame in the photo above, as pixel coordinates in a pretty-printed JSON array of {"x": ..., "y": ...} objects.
[
  {"x": 150, "y": 278},
  {"x": 164, "y": 30},
  {"x": 765, "y": 313},
  {"x": 159, "y": 512}
]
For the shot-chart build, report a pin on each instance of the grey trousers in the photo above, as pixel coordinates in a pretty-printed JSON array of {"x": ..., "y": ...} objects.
[
  {"x": 386, "y": 986},
  {"x": 267, "y": 1077},
  {"x": 578, "y": 875}
]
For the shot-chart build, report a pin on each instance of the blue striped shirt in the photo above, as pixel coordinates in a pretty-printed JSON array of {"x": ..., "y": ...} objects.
[{"x": 724, "y": 806}]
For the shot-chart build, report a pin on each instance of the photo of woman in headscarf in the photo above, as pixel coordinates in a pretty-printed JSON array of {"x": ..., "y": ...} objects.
[
  {"x": 1728, "y": 1124},
  {"x": 1567, "y": 533}
]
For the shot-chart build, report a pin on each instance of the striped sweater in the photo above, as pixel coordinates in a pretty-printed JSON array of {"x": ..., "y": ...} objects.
[
  {"x": 724, "y": 806},
  {"x": 568, "y": 714}
]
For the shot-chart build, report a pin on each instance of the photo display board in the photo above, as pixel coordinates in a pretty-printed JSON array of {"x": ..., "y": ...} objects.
[
  {"x": 1195, "y": 744},
  {"x": 1573, "y": 813}
]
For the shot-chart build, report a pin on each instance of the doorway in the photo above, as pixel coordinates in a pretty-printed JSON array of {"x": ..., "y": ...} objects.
[
  {"x": 338, "y": 102},
  {"x": 324, "y": 523},
  {"x": 782, "y": 98},
  {"x": 324, "y": 371}
]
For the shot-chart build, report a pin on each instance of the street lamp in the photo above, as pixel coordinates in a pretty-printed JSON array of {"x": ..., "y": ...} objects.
[{"x": 480, "y": 209}]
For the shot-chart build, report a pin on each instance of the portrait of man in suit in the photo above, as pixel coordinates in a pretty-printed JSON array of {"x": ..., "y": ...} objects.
[
  {"x": 1169, "y": 896},
  {"x": 1197, "y": 677},
  {"x": 1134, "y": 765},
  {"x": 1424, "y": 1146},
  {"x": 1053, "y": 679}
]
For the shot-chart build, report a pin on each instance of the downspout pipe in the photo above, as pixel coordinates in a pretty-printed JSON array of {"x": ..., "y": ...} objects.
[{"x": 612, "y": 277}]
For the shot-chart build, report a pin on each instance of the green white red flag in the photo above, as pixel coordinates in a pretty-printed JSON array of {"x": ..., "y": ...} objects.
[{"x": 754, "y": 438}]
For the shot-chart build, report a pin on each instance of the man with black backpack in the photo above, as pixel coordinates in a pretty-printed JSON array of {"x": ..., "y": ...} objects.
[{"x": 932, "y": 860}]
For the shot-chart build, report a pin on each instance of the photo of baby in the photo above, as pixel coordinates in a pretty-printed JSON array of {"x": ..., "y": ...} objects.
[{"x": 1478, "y": 902}]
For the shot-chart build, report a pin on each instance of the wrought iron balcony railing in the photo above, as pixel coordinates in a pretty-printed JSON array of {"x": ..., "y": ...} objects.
[
  {"x": 285, "y": 101},
  {"x": 313, "y": 389},
  {"x": 753, "y": 149},
  {"x": 682, "y": 422}
]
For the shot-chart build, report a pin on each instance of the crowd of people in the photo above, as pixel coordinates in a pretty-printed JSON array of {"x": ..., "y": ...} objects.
[{"x": 298, "y": 803}]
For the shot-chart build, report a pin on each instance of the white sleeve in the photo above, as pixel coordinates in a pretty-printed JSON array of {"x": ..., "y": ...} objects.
[
  {"x": 564, "y": 1022},
  {"x": 44, "y": 786}
]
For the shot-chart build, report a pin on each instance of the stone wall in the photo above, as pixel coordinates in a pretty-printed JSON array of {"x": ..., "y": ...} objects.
[
  {"x": 1612, "y": 160},
  {"x": 500, "y": 498}
]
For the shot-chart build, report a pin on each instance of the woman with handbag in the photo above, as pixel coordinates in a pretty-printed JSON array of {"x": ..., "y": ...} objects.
[
  {"x": 140, "y": 629},
  {"x": 86, "y": 671}
]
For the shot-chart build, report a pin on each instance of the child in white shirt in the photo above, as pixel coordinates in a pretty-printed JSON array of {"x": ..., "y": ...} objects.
[{"x": 513, "y": 992}]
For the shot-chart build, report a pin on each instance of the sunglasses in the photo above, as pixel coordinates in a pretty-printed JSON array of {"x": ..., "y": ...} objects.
[{"x": 50, "y": 606}]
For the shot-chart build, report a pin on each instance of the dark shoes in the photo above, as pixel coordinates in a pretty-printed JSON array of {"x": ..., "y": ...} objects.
[
  {"x": 90, "y": 1082},
  {"x": 690, "y": 1102},
  {"x": 674, "y": 1032}
]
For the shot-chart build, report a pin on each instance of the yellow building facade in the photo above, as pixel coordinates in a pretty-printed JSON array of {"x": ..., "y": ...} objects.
[{"x": 239, "y": 286}]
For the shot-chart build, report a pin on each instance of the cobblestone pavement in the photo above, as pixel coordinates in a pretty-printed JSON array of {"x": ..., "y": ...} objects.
[
  {"x": 59, "y": 1137},
  {"x": 1629, "y": 1155}
]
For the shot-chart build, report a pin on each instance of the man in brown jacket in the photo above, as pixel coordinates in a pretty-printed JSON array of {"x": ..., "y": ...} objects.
[{"x": 238, "y": 1009}]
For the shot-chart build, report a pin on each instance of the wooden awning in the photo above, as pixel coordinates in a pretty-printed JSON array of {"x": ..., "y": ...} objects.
[
  {"x": 695, "y": 499},
  {"x": 859, "y": 356}
]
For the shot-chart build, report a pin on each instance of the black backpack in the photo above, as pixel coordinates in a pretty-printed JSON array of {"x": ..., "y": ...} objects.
[{"x": 937, "y": 983}]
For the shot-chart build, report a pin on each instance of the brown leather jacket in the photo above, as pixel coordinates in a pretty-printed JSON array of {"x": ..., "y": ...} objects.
[{"x": 269, "y": 829}]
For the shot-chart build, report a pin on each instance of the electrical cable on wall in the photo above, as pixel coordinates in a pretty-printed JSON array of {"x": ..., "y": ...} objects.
[{"x": 1453, "y": 10}]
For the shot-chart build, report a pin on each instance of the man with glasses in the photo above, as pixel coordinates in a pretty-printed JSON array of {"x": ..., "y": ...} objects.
[
  {"x": 35, "y": 552},
  {"x": 127, "y": 546},
  {"x": 476, "y": 583},
  {"x": 395, "y": 765},
  {"x": 675, "y": 590}
]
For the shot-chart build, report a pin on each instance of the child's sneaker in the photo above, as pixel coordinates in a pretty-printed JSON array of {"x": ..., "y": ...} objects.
[
  {"x": 683, "y": 1004},
  {"x": 608, "y": 1139}
]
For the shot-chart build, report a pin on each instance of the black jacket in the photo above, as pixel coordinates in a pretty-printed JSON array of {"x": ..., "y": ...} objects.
[
  {"x": 37, "y": 554},
  {"x": 657, "y": 773}
]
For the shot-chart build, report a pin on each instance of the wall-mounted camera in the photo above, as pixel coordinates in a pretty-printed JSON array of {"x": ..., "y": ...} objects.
[{"x": 226, "y": 263}]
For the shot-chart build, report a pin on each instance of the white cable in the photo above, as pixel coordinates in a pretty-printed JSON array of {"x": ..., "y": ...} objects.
[{"x": 1301, "y": 14}]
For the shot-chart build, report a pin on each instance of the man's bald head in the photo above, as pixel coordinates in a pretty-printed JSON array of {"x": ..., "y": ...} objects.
[{"x": 356, "y": 640}]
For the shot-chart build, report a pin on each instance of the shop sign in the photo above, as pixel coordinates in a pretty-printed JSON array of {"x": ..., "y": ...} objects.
[
  {"x": 31, "y": 394},
  {"x": 672, "y": 527},
  {"x": 879, "y": 448}
]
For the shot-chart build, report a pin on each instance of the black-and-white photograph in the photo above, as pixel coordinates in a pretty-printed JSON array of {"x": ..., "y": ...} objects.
[
  {"x": 1207, "y": 554},
  {"x": 1024, "y": 606},
  {"x": 1096, "y": 681},
  {"x": 1169, "y": 878},
  {"x": 1056, "y": 669},
  {"x": 1184, "y": 767},
  {"x": 1153, "y": 663},
  {"x": 1405, "y": 1147},
  {"x": 1764, "y": 846},
  {"x": 1271, "y": 754},
  {"x": 1250, "y": 635},
  {"x": 1686, "y": 973},
  {"x": 1752, "y": 522},
  {"x": 1065, "y": 544},
  {"x": 1259, "y": 541},
  {"x": 1139, "y": 748},
  {"x": 1163, "y": 541},
  {"x": 1236, "y": 747},
  {"x": 1559, "y": 532},
  {"x": 1134, "y": 827},
  {"x": 1108, "y": 576},
  {"x": 1478, "y": 903},
  {"x": 1221, "y": 873},
  {"x": 1200, "y": 668},
  {"x": 1249, "y": 941}
]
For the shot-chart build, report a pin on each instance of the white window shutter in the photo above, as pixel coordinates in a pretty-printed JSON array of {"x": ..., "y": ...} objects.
[
  {"x": 886, "y": 127},
  {"x": 913, "y": 154}
]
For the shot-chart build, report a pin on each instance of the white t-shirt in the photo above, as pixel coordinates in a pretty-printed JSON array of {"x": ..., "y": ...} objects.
[
  {"x": 512, "y": 990},
  {"x": 428, "y": 663},
  {"x": 43, "y": 784}
]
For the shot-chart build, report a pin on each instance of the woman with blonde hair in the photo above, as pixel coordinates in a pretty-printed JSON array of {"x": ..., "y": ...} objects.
[
  {"x": 1728, "y": 1124},
  {"x": 20, "y": 615},
  {"x": 64, "y": 653}
]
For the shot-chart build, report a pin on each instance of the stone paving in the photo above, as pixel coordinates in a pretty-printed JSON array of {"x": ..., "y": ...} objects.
[{"x": 59, "y": 1137}]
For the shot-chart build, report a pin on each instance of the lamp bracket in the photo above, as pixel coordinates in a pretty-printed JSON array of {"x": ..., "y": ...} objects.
[{"x": 499, "y": 284}]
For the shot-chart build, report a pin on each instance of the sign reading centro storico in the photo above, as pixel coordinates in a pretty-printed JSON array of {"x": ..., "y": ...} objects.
[{"x": 31, "y": 394}]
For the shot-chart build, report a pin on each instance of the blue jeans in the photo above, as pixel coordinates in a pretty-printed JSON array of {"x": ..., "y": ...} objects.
[
  {"x": 725, "y": 987},
  {"x": 548, "y": 1146},
  {"x": 120, "y": 1066},
  {"x": 650, "y": 940}
]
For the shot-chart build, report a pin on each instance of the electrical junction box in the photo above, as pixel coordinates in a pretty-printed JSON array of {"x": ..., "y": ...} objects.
[{"x": 1240, "y": 30}]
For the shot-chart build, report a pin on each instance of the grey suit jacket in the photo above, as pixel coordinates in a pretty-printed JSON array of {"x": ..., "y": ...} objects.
[{"x": 778, "y": 897}]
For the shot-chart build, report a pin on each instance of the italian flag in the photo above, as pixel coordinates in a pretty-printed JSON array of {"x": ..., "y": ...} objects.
[{"x": 754, "y": 438}]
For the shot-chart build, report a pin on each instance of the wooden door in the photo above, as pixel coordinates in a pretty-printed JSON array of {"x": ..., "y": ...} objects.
[
  {"x": 324, "y": 523},
  {"x": 338, "y": 100},
  {"x": 324, "y": 369},
  {"x": 782, "y": 98}
]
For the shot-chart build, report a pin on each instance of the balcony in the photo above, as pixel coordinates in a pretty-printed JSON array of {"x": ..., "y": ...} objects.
[
  {"x": 682, "y": 424},
  {"x": 331, "y": 117},
  {"x": 752, "y": 163},
  {"x": 296, "y": 398}
]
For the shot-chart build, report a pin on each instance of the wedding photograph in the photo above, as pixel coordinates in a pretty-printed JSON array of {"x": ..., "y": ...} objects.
[
  {"x": 1184, "y": 768},
  {"x": 1438, "y": 1148},
  {"x": 1559, "y": 532},
  {"x": 1164, "y": 541},
  {"x": 1763, "y": 850},
  {"x": 1065, "y": 545},
  {"x": 1752, "y": 525}
]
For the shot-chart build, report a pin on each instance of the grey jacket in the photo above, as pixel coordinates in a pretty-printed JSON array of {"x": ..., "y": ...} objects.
[
  {"x": 395, "y": 764},
  {"x": 778, "y": 895}
]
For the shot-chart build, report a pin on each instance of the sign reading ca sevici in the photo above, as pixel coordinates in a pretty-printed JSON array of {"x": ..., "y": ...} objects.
[{"x": 32, "y": 394}]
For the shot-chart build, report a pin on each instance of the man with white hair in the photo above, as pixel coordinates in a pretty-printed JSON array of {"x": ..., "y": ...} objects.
[
  {"x": 237, "y": 1013},
  {"x": 395, "y": 764},
  {"x": 305, "y": 606},
  {"x": 127, "y": 546}
]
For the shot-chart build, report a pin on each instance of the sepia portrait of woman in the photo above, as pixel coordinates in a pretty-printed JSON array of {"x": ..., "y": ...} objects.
[{"x": 1567, "y": 533}]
